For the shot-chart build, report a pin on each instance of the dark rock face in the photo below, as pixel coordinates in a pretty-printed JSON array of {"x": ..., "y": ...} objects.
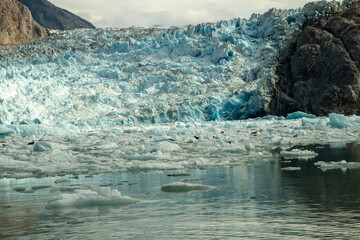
[
  {"x": 52, "y": 17},
  {"x": 321, "y": 74},
  {"x": 17, "y": 26}
]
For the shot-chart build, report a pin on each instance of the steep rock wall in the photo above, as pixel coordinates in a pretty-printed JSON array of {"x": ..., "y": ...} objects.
[
  {"x": 17, "y": 25},
  {"x": 321, "y": 73}
]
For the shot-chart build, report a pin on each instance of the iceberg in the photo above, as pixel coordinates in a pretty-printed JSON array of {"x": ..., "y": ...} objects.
[
  {"x": 343, "y": 165},
  {"x": 297, "y": 153},
  {"x": 88, "y": 198}
]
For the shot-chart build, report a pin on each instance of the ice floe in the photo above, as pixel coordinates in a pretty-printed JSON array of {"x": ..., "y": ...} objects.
[
  {"x": 88, "y": 198},
  {"x": 343, "y": 165},
  {"x": 291, "y": 169},
  {"x": 297, "y": 153}
]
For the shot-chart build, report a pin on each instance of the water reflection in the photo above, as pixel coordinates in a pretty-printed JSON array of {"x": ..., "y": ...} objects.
[{"x": 255, "y": 201}]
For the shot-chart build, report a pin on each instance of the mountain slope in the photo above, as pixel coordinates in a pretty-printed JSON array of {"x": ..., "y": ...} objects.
[
  {"x": 16, "y": 24},
  {"x": 50, "y": 16}
]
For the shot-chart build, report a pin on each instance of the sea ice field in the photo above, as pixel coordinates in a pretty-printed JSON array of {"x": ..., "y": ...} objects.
[{"x": 149, "y": 133}]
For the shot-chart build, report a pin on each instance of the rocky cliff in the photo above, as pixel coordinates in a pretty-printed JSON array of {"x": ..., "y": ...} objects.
[
  {"x": 320, "y": 73},
  {"x": 17, "y": 26},
  {"x": 52, "y": 17}
]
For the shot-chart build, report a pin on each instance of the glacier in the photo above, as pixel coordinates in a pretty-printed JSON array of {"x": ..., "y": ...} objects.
[
  {"x": 93, "y": 101},
  {"x": 211, "y": 71}
]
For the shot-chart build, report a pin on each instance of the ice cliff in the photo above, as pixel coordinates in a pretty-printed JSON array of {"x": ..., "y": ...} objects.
[{"x": 223, "y": 70}]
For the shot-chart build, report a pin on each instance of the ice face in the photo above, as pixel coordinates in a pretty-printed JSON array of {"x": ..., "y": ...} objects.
[
  {"x": 85, "y": 198},
  {"x": 102, "y": 77}
]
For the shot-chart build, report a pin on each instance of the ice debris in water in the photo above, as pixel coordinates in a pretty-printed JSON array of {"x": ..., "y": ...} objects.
[
  {"x": 168, "y": 147},
  {"x": 291, "y": 169},
  {"x": 343, "y": 165},
  {"x": 297, "y": 153},
  {"x": 182, "y": 187},
  {"x": 103, "y": 197}
]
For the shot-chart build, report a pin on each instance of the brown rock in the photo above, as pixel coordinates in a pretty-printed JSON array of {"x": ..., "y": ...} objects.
[
  {"x": 321, "y": 75},
  {"x": 17, "y": 25}
]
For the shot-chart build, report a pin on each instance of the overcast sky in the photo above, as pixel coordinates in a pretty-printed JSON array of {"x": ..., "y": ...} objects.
[{"x": 126, "y": 13}]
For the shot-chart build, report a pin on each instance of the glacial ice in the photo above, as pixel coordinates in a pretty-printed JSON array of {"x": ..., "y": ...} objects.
[
  {"x": 297, "y": 153},
  {"x": 102, "y": 77},
  {"x": 343, "y": 165},
  {"x": 85, "y": 198},
  {"x": 172, "y": 146},
  {"x": 143, "y": 99}
]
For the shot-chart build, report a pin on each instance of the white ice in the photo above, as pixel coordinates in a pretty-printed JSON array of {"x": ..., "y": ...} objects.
[
  {"x": 86, "y": 198},
  {"x": 343, "y": 165},
  {"x": 173, "y": 146},
  {"x": 297, "y": 153}
]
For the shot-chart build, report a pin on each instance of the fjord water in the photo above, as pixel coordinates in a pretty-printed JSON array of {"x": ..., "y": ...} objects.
[{"x": 256, "y": 201}]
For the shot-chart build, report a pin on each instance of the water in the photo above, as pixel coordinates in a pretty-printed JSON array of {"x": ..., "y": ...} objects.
[{"x": 257, "y": 201}]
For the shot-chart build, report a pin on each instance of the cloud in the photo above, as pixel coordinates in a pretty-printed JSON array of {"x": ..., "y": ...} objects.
[{"x": 125, "y": 13}]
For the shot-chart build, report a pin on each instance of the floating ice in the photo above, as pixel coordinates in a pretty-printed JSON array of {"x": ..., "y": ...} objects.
[
  {"x": 338, "y": 121},
  {"x": 167, "y": 146},
  {"x": 297, "y": 115},
  {"x": 164, "y": 147},
  {"x": 343, "y": 165},
  {"x": 87, "y": 198},
  {"x": 297, "y": 153},
  {"x": 291, "y": 169},
  {"x": 181, "y": 187}
]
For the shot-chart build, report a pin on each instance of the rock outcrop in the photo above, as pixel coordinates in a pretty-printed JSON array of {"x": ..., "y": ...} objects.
[
  {"x": 17, "y": 25},
  {"x": 50, "y": 16},
  {"x": 320, "y": 74}
]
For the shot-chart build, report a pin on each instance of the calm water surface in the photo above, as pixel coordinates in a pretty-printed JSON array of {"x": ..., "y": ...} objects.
[{"x": 248, "y": 202}]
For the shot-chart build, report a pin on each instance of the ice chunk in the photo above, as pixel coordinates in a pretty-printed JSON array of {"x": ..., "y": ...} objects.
[
  {"x": 6, "y": 131},
  {"x": 86, "y": 198},
  {"x": 338, "y": 145},
  {"x": 291, "y": 169},
  {"x": 42, "y": 146},
  {"x": 164, "y": 147},
  {"x": 180, "y": 187},
  {"x": 297, "y": 153},
  {"x": 297, "y": 115},
  {"x": 338, "y": 121},
  {"x": 343, "y": 165}
]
